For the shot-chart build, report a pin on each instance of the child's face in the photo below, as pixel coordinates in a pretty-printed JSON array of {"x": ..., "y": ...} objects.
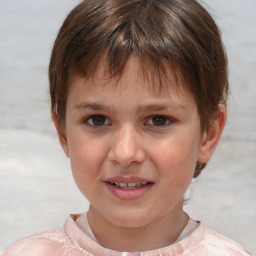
[{"x": 124, "y": 133}]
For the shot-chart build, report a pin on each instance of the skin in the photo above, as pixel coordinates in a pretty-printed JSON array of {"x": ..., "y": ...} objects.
[{"x": 137, "y": 133}]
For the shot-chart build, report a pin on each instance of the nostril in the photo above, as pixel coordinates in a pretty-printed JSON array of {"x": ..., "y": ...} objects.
[{"x": 125, "y": 160}]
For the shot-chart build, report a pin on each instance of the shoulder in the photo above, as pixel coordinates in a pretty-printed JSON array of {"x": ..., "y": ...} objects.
[
  {"x": 52, "y": 242},
  {"x": 213, "y": 243}
]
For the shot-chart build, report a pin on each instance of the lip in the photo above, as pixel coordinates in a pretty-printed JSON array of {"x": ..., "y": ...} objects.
[{"x": 128, "y": 194}]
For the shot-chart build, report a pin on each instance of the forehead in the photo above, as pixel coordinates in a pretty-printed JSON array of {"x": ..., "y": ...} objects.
[
  {"x": 132, "y": 89},
  {"x": 157, "y": 80}
]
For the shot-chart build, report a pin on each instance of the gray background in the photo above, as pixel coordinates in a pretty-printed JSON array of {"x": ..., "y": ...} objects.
[{"x": 37, "y": 191}]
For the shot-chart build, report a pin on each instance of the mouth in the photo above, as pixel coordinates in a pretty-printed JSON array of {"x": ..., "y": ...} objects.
[
  {"x": 128, "y": 189},
  {"x": 128, "y": 185}
]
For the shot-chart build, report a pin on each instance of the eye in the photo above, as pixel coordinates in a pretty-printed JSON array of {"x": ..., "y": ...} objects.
[
  {"x": 159, "y": 121},
  {"x": 97, "y": 120}
]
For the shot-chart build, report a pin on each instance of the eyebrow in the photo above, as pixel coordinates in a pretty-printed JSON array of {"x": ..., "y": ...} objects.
[
  {"x": 159, "y": 107},
  {"x": 140, "y": 108},
  {"x": 92, "y": 106}
]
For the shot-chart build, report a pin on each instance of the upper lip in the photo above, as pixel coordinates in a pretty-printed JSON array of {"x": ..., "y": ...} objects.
[{"x": 126, "y": 179}]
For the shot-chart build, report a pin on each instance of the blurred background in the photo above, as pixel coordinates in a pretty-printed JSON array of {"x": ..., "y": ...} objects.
[{"x": 37, "y": 191}]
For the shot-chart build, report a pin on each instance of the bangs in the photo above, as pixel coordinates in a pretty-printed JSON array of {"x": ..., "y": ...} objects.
[
  {"x": 159, "y": 76},
  {"x": 128, "y": 29}
]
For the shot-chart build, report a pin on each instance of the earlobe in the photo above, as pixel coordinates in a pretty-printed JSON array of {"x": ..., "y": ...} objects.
[
  {"x": 212, "y": 136},
  {"x": 61, "y": 133}
]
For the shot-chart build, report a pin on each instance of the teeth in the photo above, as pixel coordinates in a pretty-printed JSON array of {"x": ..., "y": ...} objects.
[
  {"x": 132, "y": 184},
  {"x": 128, "y": 185},
  {"x": 141, "y": 183}
]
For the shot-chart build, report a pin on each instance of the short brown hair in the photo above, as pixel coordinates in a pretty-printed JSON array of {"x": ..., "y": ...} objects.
[{"x": 160, "y": 33}]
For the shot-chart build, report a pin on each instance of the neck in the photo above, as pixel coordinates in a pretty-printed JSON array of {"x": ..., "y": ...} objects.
[{"x": 158, "y": 234}]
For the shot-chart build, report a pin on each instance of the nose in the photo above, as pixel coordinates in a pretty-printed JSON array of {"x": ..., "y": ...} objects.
[{"x": 126, "y": 148}]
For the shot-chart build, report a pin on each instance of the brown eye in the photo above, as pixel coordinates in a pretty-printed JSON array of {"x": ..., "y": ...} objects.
[
  {"x": 97, "y": 120},
  {"x": 160, "y": 121}
]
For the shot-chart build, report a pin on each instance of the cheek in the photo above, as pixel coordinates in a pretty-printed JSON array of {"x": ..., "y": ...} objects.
[
  {"x": 86, "y": 154},
  {"x": 86, "y": 158},
  {"x": 176, "y": 157}
]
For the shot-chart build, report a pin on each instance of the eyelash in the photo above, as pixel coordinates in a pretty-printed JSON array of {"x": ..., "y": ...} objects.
[
  {"x": 90, "y": 118},
  {"x": 168, "y": 121}
]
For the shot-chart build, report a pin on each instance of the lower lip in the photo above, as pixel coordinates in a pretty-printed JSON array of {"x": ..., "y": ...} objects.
[{"x": 128, "y": 194}]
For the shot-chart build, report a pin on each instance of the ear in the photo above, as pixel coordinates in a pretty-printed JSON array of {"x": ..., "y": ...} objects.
[
  {"x": 211, "y": 137},
  {"x": 61, "y": 134}
]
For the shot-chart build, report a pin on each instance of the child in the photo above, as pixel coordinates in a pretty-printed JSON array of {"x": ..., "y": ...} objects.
[{"x": 138, "y": 92}]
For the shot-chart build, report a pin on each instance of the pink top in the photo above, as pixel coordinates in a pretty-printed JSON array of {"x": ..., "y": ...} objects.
[{"x": 70, "y": 240}]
